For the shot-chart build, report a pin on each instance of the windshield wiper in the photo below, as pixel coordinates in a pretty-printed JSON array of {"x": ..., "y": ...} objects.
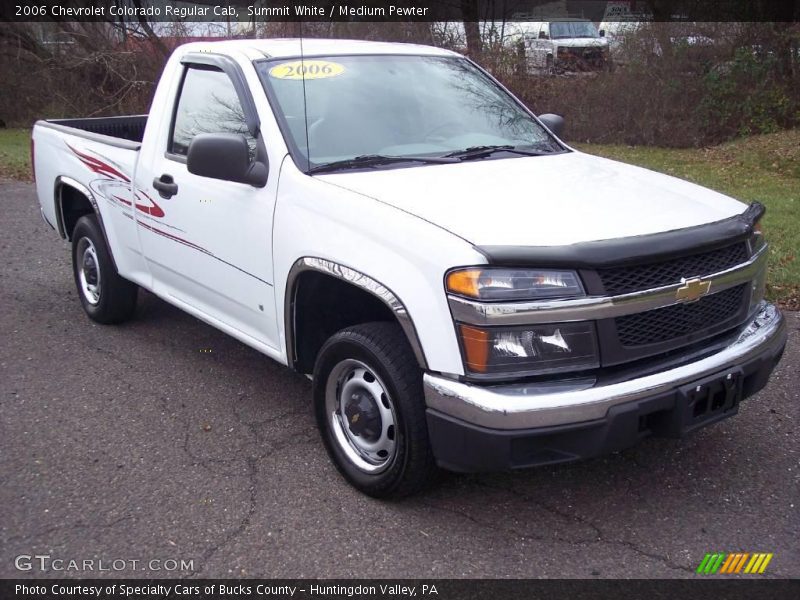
[
  {"x": 482, "y": 151},
  {"x": 376, "y": 160}
]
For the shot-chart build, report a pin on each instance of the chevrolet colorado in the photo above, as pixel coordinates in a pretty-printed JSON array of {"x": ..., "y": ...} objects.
[{"x": 466, "y": 290}]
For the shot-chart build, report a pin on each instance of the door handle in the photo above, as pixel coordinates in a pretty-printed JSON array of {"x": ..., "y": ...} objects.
[{"x": 166, "y": 186}]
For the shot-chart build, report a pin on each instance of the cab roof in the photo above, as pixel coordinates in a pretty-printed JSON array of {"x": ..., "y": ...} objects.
[{"x": 255, "y": 49}]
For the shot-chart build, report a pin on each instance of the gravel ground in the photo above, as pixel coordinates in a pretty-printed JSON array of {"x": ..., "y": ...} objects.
[{"x": 165, "y": 439}]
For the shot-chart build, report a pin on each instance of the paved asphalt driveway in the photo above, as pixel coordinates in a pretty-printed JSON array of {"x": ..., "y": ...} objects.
[{"x": 165, "y": 439}]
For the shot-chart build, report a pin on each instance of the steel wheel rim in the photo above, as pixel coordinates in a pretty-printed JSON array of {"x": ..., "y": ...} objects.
[
  {"x": 88, "y": 271},
  {"x": 361, "y": 415}
]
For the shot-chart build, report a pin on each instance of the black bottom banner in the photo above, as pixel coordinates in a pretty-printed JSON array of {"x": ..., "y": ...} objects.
[{"x": 460, "y": 589}]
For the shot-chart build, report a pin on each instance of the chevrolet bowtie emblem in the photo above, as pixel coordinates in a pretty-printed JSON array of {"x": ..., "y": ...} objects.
[{"x": 692, "y": 289}]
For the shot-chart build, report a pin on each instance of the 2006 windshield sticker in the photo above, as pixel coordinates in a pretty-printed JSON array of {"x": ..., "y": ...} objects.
[{"x": 310, "y": 69}]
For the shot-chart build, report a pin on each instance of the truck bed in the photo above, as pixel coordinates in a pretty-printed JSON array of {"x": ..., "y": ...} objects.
[
  {"x": 128, "y": 127},
  {"x": 86, "y": 152}
]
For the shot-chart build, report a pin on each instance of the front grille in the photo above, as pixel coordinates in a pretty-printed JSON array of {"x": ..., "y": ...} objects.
[
  {"x": 582, "y": 51},
  {"x": 581, "y": 56},
  {"x": 670, "y": 322},
  {"x": 623, "y": 280}
]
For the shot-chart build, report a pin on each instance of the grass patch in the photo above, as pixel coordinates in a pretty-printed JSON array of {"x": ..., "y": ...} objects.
[
  {"x": 15, "y": 153},
  {"x": 764, "y": 168}
]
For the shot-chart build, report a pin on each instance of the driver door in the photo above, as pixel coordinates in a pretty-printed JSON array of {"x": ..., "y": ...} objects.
[{"x": 208, "y": 242}]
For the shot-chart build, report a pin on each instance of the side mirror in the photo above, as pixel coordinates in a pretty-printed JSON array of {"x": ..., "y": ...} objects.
[
  {"x": 554, "y": 123},
  {"x": 542, "y": 35},
  {"x": 225, "y": 156},
  {"x": 602, "y": 33}
]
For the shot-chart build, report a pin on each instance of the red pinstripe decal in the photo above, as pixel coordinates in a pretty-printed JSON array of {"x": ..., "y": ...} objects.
[
  {"x": 153, "y": 211},
  {"x": 174, "y": 238},
  {"x": 98, "y": 166}
]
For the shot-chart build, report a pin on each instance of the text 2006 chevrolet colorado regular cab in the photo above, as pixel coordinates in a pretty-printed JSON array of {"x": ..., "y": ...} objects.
[{"x": 466, "y": 290}]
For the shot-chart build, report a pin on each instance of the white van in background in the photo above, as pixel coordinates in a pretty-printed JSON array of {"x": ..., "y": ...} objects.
[{"x": 561, "y": 45}]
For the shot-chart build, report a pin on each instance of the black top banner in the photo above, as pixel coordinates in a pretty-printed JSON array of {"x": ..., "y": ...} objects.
[{"x": 398, "y": 10}]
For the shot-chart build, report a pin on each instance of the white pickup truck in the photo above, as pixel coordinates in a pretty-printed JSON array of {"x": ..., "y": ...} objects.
[{"x": 467, "y": 291}]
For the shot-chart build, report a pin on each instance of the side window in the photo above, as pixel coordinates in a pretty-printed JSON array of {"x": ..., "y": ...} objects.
[{"x": 207, "y": 104}]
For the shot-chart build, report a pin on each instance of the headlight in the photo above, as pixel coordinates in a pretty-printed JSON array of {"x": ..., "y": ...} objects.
[
  {"x": 513, "y": 284},
  {"x": 756, "y": 240},
  {"x": 758, "y": 289},
  {"x": 529, "y": 350},
  {"x": 759, "y": 285}
]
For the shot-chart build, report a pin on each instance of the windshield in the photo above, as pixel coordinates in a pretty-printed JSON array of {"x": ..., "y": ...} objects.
[
  {"x": 391, "y": 105},
  {"x": 573, "y": 29}
]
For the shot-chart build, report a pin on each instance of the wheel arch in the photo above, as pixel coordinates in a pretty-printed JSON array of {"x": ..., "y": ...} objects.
[
  {"x": 72, "y": 201},
  {"x": 376, "y": 298}
]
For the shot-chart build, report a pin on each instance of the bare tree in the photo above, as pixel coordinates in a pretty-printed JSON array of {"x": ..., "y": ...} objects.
[{"x": 470, "y": 17}]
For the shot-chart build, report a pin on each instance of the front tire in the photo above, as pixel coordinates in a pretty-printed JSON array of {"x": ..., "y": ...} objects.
[
  {"x": 370, "y": 410},
  {"x": 105, "y": 296}
]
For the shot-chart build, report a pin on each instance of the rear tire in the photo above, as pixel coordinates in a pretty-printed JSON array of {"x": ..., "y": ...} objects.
[
  {"x": 105, "y": 296},
  {"x": 370, "y": 410}
]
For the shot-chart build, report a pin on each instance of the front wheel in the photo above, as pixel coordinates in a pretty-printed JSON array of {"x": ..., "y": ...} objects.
[{"x": 370, "y": 410}]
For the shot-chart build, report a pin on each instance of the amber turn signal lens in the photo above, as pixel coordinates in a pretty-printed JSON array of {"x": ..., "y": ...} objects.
[
  {"x": 476, "y": 348},
  {"x": 492, "y": 284},
  {"x": 464, "y": 282}
]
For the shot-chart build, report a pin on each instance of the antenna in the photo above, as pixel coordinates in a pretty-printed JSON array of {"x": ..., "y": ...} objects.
[{"x": 305, "y": 100}]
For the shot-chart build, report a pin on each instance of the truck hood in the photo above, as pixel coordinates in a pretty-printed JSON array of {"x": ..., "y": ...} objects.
[{"x": 542, "y": 200}]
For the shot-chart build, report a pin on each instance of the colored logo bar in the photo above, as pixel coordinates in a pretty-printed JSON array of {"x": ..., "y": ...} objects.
[{"x": 737, "y": 562}]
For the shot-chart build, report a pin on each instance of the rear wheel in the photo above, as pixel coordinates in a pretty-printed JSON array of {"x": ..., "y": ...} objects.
[
  {"x": 106, "y": 297},
  {"x": 370, "y": 410}
]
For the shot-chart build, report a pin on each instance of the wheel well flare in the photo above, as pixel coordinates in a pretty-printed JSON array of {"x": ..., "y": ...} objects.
[{"x": 323, "y": 297}]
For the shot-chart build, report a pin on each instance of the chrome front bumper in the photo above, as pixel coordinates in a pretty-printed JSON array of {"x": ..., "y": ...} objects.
[{"x": 531, "y": 405}]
